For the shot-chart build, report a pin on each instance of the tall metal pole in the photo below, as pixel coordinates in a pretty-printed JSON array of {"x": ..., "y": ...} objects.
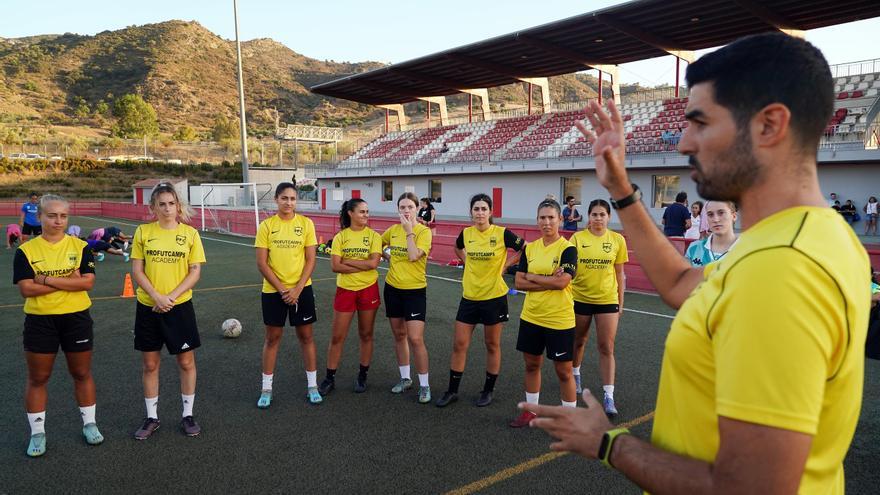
[{"x": 244, "y": 151}]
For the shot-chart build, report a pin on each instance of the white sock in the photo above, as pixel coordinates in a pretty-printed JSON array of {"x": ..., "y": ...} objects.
[
  {"x": 88, "y": 414},
  {"x": 532, "y": 398},
  {"x": 609, "y": 391},
  {"x": 404, "y": 372},
  {"x": 267, "y": 381},
  {"x": 423, "y": 379},
  {"x": 37, "y": 421},
  {"x": 187, "y": 404},
  {"x": 152, "y": 406},
  {"x": 569, "y": 404},
  {"x": 312, "y": 378},
  {"x": 576, "y": 371}
]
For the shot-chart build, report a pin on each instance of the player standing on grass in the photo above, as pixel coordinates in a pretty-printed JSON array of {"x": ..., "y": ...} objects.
[
  {"x": 547, "y": 322},
  {"x": 54, "y": 273},
  {"x": 286, "y": 249},
  {"x": 167, "y": 257},
  {"x": 406, "y": 293},
  {"x": 763, "y": 368},
  {"x": 355, "y": 255},
  {"x": 30, "y": 220},
  {"x": 483, "y": 249},
  {"x": 598, "y": 293}
]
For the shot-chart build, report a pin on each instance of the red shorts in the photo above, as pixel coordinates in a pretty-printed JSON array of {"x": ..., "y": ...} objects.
[{"x": 348, "y": 301}]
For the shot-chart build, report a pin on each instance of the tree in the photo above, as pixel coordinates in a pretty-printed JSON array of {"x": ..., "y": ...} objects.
[
  {"x": 224, "y": 129},
  {"x": 134, "y": 117},
  {"x": 185, "y": 133}
]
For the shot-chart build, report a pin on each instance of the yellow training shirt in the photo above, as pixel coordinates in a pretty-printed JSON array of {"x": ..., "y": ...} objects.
[
  {"x": 552, "y": 309},
  {"x": 485, "y": 255},
  {"x": 596, "y": 280},
  {"x": 406, "y": 274},
  {"x": 356, "y": 245},
  {"x": 774, "y": 335},
  {"x": 39, "y": 257},
  {"x": 286, "y": 241},
  {"x": 167, "y": 254}
]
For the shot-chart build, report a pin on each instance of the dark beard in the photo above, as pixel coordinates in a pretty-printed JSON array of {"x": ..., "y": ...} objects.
[{"x": 735, "y": 170}]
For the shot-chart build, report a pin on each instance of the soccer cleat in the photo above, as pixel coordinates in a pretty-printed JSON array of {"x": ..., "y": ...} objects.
[
  {"x": 126, "y": 257},
  {"x": 125, "y": 246},
  {"x": 424, "y": 395},
  {"x": 99, "y": 257},
  {"x": 448, "y": 398},
  {"x": 402, "y": 386},
  {"x": 92, "y": 435},
  {"x": 37, "y": 445},
  {"x": 327, "y": 385},
  {"x": 360, "y": 386},
  {"x": 523, "y": 419},
  {"x": 485, "y": 399},
  {"x": 315, "y": 396},
  {"x": 189, "y": 426},
  {"x": 150, "y": 425},
  {"x": 265, "y": 399},
  {"x": 577, "y": 384},
  {"x": 608, "y": 404}
]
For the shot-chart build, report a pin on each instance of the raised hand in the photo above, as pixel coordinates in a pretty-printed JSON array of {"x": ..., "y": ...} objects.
[
  {"x": 609, "y": 146},
  {"x": 407, "y": 223}
]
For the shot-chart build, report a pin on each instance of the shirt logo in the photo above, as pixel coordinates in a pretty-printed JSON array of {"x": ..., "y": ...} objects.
[
  {"x": 71, "y": 258},
  {"x": 606, "y": 246},
  {"x": 36, "y": 261},
  {"x": 181, "y": 239},
  {"x": 493, "y": 241},
  {"x": 275, "y": 231},
  {"x": 585, "y": 246},
  {"x": 298, "y": 231},
  {"x": 471, "y": 241},
  {"x": 366, "y": 241},
  {"x": 151, "y": 239}
]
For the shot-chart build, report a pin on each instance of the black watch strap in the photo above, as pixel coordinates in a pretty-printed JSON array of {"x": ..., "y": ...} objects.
[{"x": 635, "y": 197}]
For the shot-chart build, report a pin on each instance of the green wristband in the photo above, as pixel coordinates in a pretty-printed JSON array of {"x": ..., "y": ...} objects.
[{"x": 608, "y": 443}]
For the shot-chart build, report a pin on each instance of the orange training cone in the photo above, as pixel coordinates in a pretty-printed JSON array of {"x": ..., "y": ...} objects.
[{"x": 127, "y": 288}]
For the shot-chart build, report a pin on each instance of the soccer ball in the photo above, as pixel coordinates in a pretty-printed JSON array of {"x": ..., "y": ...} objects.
[{"x": 231, "y": 328}]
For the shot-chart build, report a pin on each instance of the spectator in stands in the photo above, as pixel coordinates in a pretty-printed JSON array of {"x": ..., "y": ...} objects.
[
  {"x": 30, "y": 221},
  {"x": 693, "y": 232},
  {"x": 570, "y": 215},
  {"x": 445, "y": 147},
  {"x": 848, "y": 210},
  {"x": 666, "y": 136},
  {"x": 870, "y": 210},
  {"x": 676, "y": 136},
  {"x": 427, "y": 215},
  {"x": 832, "y": 198},
  {"x": 677, "y": 218}
]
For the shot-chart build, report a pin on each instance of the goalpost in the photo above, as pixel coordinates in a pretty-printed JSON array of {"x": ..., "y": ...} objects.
[{"x": 232, "y": 208}]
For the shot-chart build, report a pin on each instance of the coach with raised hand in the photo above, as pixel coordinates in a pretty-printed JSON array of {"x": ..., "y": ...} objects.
[{"x": 762, "y": 374}]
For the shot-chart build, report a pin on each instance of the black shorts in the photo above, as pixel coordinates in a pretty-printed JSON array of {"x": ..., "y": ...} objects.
[
  {"x": 28, "y": 229},
  {"x": 409, "y": 304},
  {"x": 488, "y": 312},
  {"x": 276, "y": 312},
  {"x": 587, "y": 309},
  {"x": 533, "y": 339},
  {"x": 43, "y": 334},
  {"x": 101, "y": 246},
  {"x": 176, "y": 329}
]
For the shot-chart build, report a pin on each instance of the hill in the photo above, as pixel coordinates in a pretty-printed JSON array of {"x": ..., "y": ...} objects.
[{"x": 187, "y": 73}]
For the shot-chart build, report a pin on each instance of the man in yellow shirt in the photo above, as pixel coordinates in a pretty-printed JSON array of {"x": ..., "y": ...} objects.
[{"x": 763, "y": 369}]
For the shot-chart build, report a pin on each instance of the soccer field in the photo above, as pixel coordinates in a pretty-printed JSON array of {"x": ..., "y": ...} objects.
[{"x": 357, "y": 443}]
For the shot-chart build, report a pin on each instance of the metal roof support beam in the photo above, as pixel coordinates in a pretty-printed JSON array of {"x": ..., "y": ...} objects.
[
  {"x": 559, "y": 51},
  {"x": 544, "y": 84},
  {"x": 614, "y": 72},
  {"x": 483, "y": 94},
  {"x": 645, "y": 37},
  {"x": 401, "y": 117},
  {"x": 503, "y": 69},
  {"x": 771, "y": 17},
  {"x": 439, "y": 100},
  {"x": 390, "y": 88}
]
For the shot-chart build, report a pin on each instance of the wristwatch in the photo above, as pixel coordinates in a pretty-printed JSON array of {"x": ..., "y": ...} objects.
[
  {"x": 635, "y": 197},
  {"x": 607, "y": 443}
]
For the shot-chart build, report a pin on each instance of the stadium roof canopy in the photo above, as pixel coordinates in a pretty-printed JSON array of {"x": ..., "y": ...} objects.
[{"x": 616, "y": 35}]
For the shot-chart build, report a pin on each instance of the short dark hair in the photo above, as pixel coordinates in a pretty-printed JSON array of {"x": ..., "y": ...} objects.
[
  {"x": 755, "y": 71},
  {"x": 550, "y": 203},
  {"x": 282, "y": 186},
  {"x": 601, "y": 203},
  {"x": 568, "y": 198},
  {"x": 681, "y": 197}
]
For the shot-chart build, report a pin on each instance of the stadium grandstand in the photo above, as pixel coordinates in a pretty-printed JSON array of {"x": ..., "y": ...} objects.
[{"x": 538, "y": 151}]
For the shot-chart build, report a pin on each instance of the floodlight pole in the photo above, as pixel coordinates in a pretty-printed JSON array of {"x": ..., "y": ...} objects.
[{"x": 244, "y": 151}]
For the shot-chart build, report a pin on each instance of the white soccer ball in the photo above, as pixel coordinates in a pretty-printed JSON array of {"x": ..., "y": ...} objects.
[{"x": 231, "y": 328}]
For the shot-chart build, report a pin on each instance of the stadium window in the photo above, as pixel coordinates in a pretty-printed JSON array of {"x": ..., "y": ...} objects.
[
  {"x": 665, "y": 189},
  {"x": 436, "y": 190},
  {"x": 571, "y": 186},
  {"x": 387, "y": 190}
]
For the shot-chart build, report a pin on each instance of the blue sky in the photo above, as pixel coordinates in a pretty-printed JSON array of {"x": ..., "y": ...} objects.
[{"x": 381, "y": 30}]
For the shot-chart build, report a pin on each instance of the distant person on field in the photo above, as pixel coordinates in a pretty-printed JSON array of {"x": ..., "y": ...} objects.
[
  {"x": 13, "y": 235},
  {"x": 116, "y": 237},
  {"x": 30, "y": 220},
  {"x": 570, "y": 215},
  {"x": 870, "y": 210},
  {"x": 427, "y": 215},
  {"x": 677, "y": 218},
  {"x": 693, "y": 232}
]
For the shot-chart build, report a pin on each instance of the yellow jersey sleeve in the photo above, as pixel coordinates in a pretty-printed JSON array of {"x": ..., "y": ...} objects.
[
  {"x": 779, "y": 342},
  {"x": 311, "y": 239},
  {"x": 137, "y": 244},
  {"x": 197, "y": 250},
  {"x": 262, "y": 239}
]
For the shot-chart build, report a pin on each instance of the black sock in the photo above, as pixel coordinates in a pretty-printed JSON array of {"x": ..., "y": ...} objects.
[
  {"x": 454, "y": 380},
  {"x": 331, "y": 374},
  {"x": 362, "y": 373},
  {"x": 489, "y": 385}
]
